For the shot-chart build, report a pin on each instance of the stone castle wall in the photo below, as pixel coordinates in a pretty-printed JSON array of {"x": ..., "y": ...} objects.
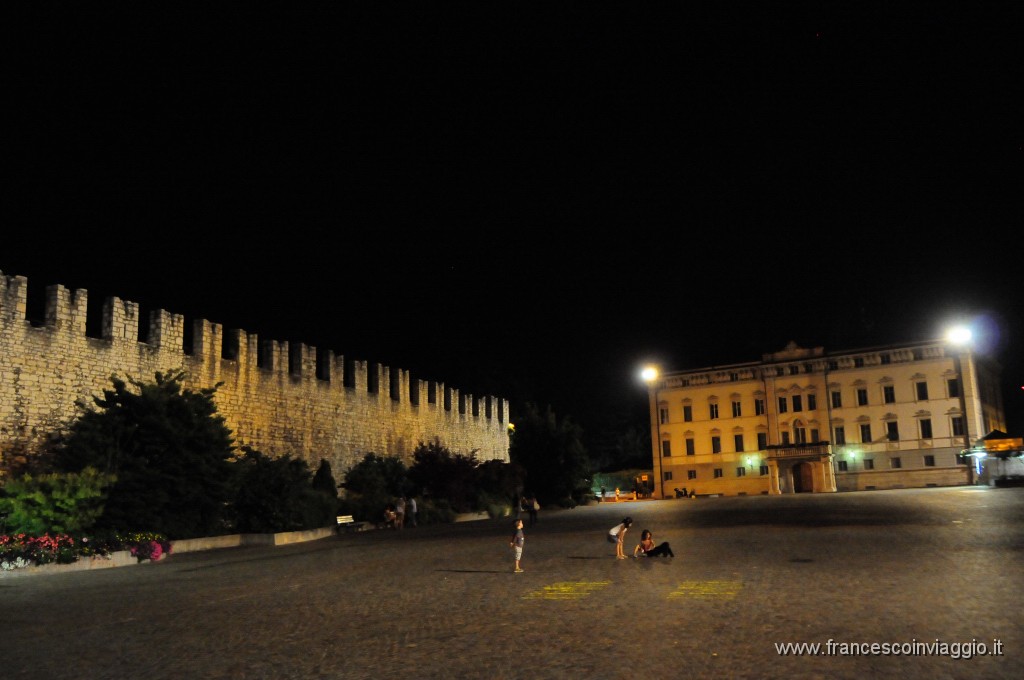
[{"x": 278, "y": 397}]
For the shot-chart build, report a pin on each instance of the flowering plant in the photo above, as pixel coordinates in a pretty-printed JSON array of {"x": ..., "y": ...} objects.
[
  {"x": 148, "y": 546},
  {"x": 22, "y": 550},
  {"x": 25, "y": 549}
]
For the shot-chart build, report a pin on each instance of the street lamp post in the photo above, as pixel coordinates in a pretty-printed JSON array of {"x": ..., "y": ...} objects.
[
  {"x": 960, "y": 337},
  {"x": 650, "y": 375}
]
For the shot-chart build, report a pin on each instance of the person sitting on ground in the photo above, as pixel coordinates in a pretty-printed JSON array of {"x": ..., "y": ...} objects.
[
  {"x": 389, "y": 517},
  {"x": 646, "y": 547}
]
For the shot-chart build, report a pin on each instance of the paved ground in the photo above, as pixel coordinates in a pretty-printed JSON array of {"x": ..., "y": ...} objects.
[{"x": 442, "y": 602}]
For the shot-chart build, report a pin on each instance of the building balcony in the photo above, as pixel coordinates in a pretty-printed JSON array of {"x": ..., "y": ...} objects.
[{"x": 811, "y": 450}]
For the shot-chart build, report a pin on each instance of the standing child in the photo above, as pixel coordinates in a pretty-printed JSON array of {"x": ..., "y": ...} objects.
[
  {"x": 518, "y": 539},
  {"x": 617, "y": 535}
]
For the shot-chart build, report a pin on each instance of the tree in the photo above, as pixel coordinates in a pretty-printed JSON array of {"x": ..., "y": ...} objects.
[
  {"x": 277, "y": 494},
  {"x": 443, "y": 475},
  {"x": 169, "y": 449},
  {"x": 552, "y": 453},
  {"x": 323, "y": 480},
  {"x": 500, "y": 480},
  {"x": 372, "y": 483}
]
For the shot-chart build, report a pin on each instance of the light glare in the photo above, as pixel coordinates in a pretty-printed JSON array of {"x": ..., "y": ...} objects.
[{"x": 959, "y": 335}]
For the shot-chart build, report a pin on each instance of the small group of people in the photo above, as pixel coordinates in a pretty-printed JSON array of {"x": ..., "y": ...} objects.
[
  {"x": 616, "y": 535},
  {"x": 646, "y": 546},
  {"x": 529, "y": 505},
  {"x": 619, "y": 495},
  {"x": 395, "y": 514}
]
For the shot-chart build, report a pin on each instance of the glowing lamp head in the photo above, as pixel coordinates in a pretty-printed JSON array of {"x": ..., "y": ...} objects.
[
  {"x": 649, "y": 374},
  {"x": 960, "y": 335}
]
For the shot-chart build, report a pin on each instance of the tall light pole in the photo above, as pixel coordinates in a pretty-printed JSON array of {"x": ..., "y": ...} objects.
[
  {"x": 960, "y": 337},
  {"x": 650, "y": 375}
]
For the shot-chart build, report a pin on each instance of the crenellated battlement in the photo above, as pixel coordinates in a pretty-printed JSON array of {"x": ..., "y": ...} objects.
[{"x": 277, "y": 396}]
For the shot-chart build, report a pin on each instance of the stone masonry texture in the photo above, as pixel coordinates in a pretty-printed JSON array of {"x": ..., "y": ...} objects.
[{"x": 278, "y": 397}]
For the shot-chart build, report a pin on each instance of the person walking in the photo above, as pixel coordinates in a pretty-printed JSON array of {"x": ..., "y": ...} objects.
[
  {"x": 412, "y": 511},
  {"x": 617, "y": 535},
  {"x": 646, "y": 547},
  {"x": 532, "y": 506},
  {"x": 400, "y": 512},
  {"x": 517, "y": 542}
]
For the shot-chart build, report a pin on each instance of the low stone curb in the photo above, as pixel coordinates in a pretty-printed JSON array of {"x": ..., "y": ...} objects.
[
  {"x": 124, "y": 558},
  {"x": 121, "y": 558}
]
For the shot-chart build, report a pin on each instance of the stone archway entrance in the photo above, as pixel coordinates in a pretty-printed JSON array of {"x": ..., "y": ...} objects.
[{"x": 803, "y": 478}]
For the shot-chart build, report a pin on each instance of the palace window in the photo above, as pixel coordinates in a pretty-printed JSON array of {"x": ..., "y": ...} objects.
[
  {"x": 713, "y": 410},
  {"x": 889, "y": 394},
  {"x": 922, "y": 391},
  {"x": 929, "y": 461},
  {"x": 718, "y": 473},
  {"x": 865, "y": 433},
  {"x": 953, "y": 387},
  {"x": 691, "y": 474},
  {"x": 842, "y": 466},
  {"x": 666, "y": 448},
  {"x": 869, "y": 463},
  {"x": 926, "y": 428},
  {"x": 741, "y": 472},
  {"x": 837, "y": 399},
  {"x": 737, "y": 440},
  {"x": 862, "y": 397},
  {"x": 759, "y": 407},
  {"x": 895, "y": 462},
  {"x": 737, "y": 411},
  {"x": 958, "y": 426},
  {"x": 762, "y": 441},
  {"x": 783, "y": 405},
  {"x": 687, "y": 414},
  {"x": 839, "y": 434},
  {"x": 690, "y": 447},
  {"x": 812, "y": 402},
  {"x": 716, "y": 445},
  {"x": 892, "y": 431},
  {"x": 798, "y": 403}
]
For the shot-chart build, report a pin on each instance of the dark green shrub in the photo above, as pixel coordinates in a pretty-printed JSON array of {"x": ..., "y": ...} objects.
[
  {"x": 169, "y": 449},
  {"x": 53, "y": 503},
  {"x": 276, "y": 494}
]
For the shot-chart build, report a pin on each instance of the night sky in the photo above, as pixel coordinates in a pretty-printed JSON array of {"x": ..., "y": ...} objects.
[{"x": 532, "y": 202}]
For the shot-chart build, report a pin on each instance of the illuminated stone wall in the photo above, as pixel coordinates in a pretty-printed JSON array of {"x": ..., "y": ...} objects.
[{"x": 277, "y": 397}]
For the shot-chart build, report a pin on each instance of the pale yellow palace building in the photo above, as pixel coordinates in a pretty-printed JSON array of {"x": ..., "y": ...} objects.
[{"x": 806, "y": 420}]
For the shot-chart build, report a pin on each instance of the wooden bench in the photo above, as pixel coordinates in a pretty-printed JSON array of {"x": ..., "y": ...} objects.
[{"x": 348, "y": 523}]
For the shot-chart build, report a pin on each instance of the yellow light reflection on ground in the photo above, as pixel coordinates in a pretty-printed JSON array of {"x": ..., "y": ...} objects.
[
  {"x": 566, "y": 590},
  {"x": 707, "y": 590}
]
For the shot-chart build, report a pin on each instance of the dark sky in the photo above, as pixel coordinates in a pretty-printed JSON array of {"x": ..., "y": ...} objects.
[{"x": 532, "y": 202}]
